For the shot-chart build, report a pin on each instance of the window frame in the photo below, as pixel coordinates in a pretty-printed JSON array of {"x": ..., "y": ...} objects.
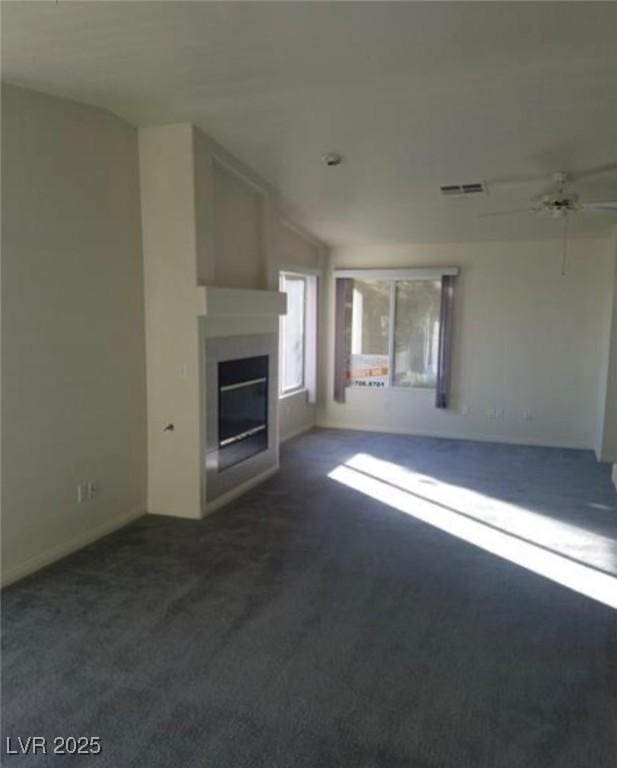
[
  {"x": 284, "y": 275},
  {"x": 310, "y": 326},
  {"x": 394, "y": 276}
]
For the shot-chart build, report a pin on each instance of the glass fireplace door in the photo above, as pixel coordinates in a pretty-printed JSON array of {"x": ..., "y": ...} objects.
[{"x": 243, "y": 409}]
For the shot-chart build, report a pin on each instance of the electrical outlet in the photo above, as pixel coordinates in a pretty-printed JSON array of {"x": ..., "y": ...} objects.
[
  {"x": 500, "y": 412},
  {"x": 527, "y": 414},
  {"x": 92, "y": 489}
]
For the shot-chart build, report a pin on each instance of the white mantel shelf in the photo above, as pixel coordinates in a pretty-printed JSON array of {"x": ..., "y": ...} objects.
[{"x": 213, "y": 301}]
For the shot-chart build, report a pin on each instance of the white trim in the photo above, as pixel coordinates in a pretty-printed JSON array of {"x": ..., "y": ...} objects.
[
  {"x": 244, "y": 175},
  {"x": 295, "y": 270},
  {"x": 293, "y": 392},
  {"x": 415, "y": 273},
  {"x": 239, "y": 490},
  {"x": 392, "y": 326},
  {"x": 398, "y": 387},
  {"x": 62, "y": 550}
]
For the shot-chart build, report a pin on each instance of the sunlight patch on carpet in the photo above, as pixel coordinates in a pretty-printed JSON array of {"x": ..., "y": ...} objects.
[{"x": 566, "y": 554}]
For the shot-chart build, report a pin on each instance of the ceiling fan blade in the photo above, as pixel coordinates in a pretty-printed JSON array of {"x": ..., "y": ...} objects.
[
  {"x": 505, "y": 213},
  {"x": 597, "y": 171},
  {"x": 602, "y": 206},
  {"x": 548, "y": 190},
  {"x": 515, "y": 181}
]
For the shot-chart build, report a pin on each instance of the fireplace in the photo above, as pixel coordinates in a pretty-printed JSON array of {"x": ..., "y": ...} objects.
[{"x": 242, "y": 409}]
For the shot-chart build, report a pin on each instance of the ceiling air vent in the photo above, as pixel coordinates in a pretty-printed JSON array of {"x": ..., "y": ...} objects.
[{"x": 463, "y": 189}]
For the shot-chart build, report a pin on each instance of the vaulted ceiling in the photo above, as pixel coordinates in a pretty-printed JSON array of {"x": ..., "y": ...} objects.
[{"x": 413, "y": 95}]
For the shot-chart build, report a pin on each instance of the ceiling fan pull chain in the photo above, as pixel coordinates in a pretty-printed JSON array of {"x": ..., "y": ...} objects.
[{"x": 564, "y": 248}]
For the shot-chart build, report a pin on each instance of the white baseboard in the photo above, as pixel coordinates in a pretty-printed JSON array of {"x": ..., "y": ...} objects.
[
  {"x": 241, "y": 489},
  {"x": 327, "y": 424},
  {"x": 297, "y": 432},
  {"x": 37, "y": 562}
]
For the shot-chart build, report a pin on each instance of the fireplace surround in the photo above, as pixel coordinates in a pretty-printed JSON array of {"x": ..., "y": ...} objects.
[{"x": 240, "y": 412}]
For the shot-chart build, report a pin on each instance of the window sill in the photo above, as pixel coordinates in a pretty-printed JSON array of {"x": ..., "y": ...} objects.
[
  {"x": 390, "y": 387},
  {"x": 293, "y": 392},
  {"x": 413, "y": 389}
]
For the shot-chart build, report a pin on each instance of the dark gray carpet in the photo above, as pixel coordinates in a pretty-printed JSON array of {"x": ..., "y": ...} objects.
[{"x": 307, "y": 625}]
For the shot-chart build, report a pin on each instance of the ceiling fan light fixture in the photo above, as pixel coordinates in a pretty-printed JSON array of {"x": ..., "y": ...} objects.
[{"x": 558, "y": 206}]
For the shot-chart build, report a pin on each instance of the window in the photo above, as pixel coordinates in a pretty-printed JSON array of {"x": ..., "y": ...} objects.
[
  {"x": 298, "y": 334},
  {"x": 369, "y": 361},
  {"x": 416, "y": 332},
  {"x": 392, "y": 328},
  {"x": 293, "y": 333},
  {"x": 394, "y": 333}
]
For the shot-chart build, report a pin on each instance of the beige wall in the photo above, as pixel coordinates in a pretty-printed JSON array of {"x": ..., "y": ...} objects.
[
  {"x": 525, "y": 339},
  {"x": 607, "y": 427},
  {"x": 73, "y": 379},
  {"x": 296, "y": 249},
  {"x": 238, "y": 232},
  {"x": 296, "y": 415},
  {"x": 172, "y": 353}
]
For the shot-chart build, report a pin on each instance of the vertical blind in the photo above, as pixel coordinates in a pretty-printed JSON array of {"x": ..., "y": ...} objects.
[{"x": 344, "y": 286}]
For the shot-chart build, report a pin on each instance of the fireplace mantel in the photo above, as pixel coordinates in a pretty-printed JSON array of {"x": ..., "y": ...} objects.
[{"x": 214, "y": 301}]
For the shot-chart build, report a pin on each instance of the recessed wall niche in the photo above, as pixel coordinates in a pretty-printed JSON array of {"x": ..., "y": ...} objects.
[{"x": 239, "y": 210}]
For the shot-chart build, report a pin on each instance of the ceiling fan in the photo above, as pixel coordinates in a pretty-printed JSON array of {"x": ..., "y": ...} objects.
[{"x": 560, "y": 202}]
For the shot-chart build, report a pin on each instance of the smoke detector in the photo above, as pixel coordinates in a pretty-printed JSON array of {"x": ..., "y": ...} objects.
[{"x": 331, "y": 159}]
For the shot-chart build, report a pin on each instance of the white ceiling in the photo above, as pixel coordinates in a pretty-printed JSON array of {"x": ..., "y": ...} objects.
[{"x": 414, "y": 95}]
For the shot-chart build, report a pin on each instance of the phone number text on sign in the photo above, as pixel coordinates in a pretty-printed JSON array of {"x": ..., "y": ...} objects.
[{"x": 369, "y": 371}]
